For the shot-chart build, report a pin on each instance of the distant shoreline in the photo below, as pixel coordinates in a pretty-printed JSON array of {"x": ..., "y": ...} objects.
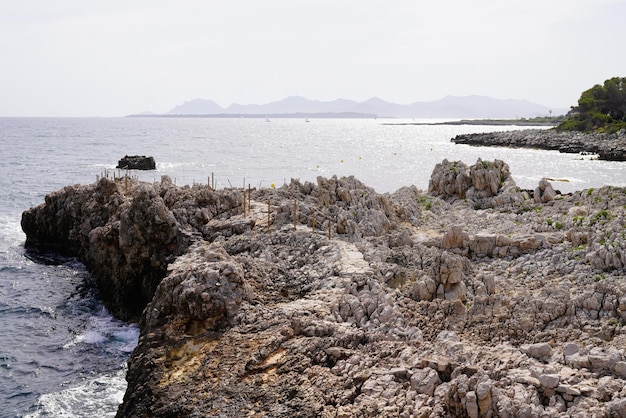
[
  {"x": 352, "y": 115},
  {"x": 324, "y": 115},
  {"x": 484, "y": 122}
]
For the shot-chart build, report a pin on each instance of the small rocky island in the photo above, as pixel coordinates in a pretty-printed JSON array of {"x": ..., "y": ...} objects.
[{"x": 328, "y": 299}]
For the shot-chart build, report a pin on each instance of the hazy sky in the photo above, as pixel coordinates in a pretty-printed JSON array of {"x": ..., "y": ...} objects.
[{"x": 112, "y": 58}]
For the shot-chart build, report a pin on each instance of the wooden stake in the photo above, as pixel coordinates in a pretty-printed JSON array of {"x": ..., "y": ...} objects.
[
  {"x": 249, "y": 199},
  {"x": 329, "y": 229},
  {"x": 244, "y": 202},
  {"x": 295, "y": 213}
]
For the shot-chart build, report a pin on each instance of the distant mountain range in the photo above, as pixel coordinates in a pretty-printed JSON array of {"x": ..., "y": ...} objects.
[{"x": 448, "y": 107}]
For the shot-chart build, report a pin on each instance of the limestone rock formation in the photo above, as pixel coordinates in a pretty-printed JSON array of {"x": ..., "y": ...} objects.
[
  {"x": 474, "y": 299},
  {"x": 485, "y": 184},
  {"x": 544, "y": 192},
  {"x": 126, "y": 238}
]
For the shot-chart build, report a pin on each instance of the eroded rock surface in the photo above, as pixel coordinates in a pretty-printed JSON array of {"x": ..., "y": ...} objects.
[{"x": 476, "y": 299}]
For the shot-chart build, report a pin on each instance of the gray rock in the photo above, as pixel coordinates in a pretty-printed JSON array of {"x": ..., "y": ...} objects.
[
  {"x": 620, "y": 369},
  {"x": 550, "y": 381},
  {"x": 544, "y": 192},
  {"x": 569, "y": 349},
  {"x": 425, "y": 381},
  {"x": 455, "y": 237},
  {"x": 540, "y": 351},
  {"x": 602, "y": 359}
]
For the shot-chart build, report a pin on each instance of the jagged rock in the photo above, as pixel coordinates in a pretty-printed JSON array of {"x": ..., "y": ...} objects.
[
  {"x": 483, "y": 244},
  {"x": 417, "y": 305},
  {"x": 425, "y": 381},
  {"x": 203, "y": 291},
  {"x": 127, "y": 243},
  {"x": 541, "y": 351},
  {"x": 455, "y": 237},
  {"x": 484, "y": 183},
  {"x": 450, "y": 179},
  {"x": 544, "y": 192}
]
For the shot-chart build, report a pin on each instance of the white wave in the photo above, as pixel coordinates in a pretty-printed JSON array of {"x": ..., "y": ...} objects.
[
  {"x": 11, "y": 234},
  {"x": 99, "y": 397},
  {"x": 106, "y": 331}
]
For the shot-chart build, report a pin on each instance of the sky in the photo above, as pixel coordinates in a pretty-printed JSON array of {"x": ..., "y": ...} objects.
[{"x": 118, "y": 57}]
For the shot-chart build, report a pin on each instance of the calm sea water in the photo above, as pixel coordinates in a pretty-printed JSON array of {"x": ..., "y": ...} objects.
[{"x": 61, "y": 353}]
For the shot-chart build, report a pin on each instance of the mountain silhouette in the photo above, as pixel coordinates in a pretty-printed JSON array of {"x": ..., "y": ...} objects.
[{"x": 447, "y": 107}]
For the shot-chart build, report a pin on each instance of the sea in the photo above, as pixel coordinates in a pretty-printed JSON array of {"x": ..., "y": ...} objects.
[{"x": 61, "y": 353}]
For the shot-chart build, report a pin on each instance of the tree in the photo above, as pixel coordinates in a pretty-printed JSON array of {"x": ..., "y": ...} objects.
[{"x": 600, "y": 108}]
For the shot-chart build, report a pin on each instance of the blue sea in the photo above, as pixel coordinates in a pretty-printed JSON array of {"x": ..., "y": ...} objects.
[{"x": 61, "y": 352}]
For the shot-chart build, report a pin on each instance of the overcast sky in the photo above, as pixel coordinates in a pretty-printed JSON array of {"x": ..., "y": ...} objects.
[{"x": 114, "y": 57}]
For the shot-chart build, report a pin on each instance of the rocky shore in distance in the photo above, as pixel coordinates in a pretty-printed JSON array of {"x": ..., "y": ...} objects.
[
  {"x": 473, "y": 299},
  {"x": 611, "y": 147}
]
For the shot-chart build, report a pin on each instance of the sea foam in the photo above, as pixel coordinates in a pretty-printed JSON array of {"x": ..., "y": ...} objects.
[{"x": 99, "y": 397}]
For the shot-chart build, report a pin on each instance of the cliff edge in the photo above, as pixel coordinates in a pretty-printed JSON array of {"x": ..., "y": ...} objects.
[{"x": 327, "y": 299}]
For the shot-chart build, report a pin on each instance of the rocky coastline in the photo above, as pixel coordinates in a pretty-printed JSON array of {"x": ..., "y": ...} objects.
[
  {"x": 610, "y": 147},
  {"x": 328, "y": 299}
]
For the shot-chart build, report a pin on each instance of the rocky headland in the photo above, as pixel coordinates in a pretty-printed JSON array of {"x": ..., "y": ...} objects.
[
  {"x": 610, "y": 147},
  {"x": 328, "y": 299}
]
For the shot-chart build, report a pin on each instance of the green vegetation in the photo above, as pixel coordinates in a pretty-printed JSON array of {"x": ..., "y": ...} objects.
[
  {"x": 602, "y": 108},
  {"x": 428, "y": 204}
]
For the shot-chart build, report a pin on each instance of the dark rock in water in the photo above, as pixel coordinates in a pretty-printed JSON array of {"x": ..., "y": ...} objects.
[
  {"x": 136, "y": 162},
  {"x": 613, "y": 155}
]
